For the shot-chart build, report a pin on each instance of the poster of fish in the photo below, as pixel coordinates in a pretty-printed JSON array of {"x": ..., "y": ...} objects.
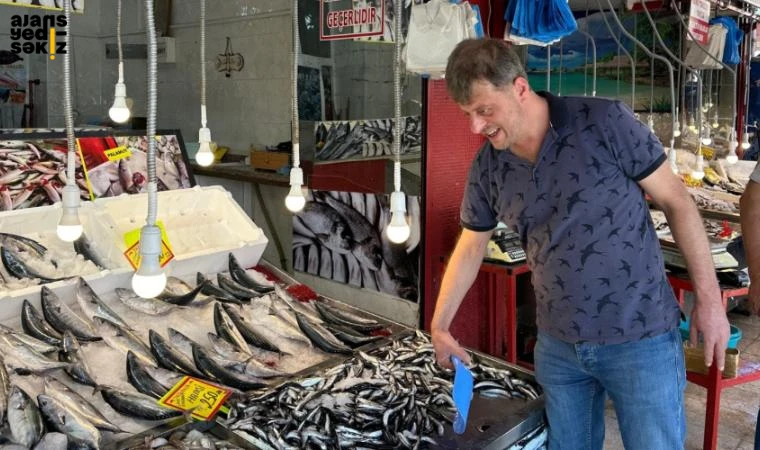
[
  {"x": 358, "y": 139},
  {"x": 341, "y": 236},
  {"x": 33, "y": 167}
]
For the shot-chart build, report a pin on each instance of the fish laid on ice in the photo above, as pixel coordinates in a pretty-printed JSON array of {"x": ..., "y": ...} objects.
[
  {"x": 62, "y": 318},
  {"x": 34, "y": 325},
  {"x": 150, "y": 306},
  {"x": 137, "y": 405},
  {"x": 123, "y": 340},
  {"x": 24, "y": 358},
  {"x": 322, "y": 338},
  {"x": 140, "y": 378},
  {"x": 71, "y": 353},
  {"x": 226, "y": 328},
  {"x": 71, "y": 399},
  {"x": 19, "y": 269},
  {"x": 85, "y": 247},
  {"x": 237, "y": 380},
  {"x": 24, "y": 418},
  {"x": 93, "y": 306},
  {"x": 5, "y": 389},
  {"x": 169, "y": 357},
  {"x": 210, "y": 289},
  {"x": 239, "y": 274}
]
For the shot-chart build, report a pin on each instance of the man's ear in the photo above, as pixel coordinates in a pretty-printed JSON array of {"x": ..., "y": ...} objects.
[{"x": 521, "y": 88}]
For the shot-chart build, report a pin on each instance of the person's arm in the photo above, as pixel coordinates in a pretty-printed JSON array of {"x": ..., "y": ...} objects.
[
  {"x": 750, "y": 221},
  {"x": 709, "y": 315},
  {"x": 462, "y": 268}
]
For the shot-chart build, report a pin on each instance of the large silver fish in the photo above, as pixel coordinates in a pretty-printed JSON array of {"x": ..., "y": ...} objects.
[
  {"x": 24, "y": 418},
  {"x": 238, "y": 273},
  {"x": 226, "y": 328},
  {"x": 248, "y": 331},
  {"x": 150, "y": 306},
  {"x": 35, "y": 326},
  {"x": 169, "y": 357},
  {"x": 140, "y": 379},
  {"x": 36, "y": 344},
  {"x": 123, "y": 340},
  {"x": 71, "y": 399},
  {"x": 24, "y": 358},
  {"x": 78, "y": 369},
  {"x": 321, "y": 337},
  {"x": 5, "y": 389},
  {"x": 53, "y": 441},
  {"x": 62, "y": 318},
  {"x": 19, "y": 269},
  {"x": 242, "y": 381},
  {"x": 93, "y": 306},
  {"x": 65, "y": 419},
  {"x": 90, "y": 252},
  {"x": 136, "y": 405}
]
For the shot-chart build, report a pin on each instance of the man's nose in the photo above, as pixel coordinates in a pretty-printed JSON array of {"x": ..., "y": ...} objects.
[{"x": 477, "y": 124}]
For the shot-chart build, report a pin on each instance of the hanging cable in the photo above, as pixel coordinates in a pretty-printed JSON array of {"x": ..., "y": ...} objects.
[
  {"x": 204, "y": 156},
  {"x": 589, "y": 38},
  {"x": 732, "y": 138},
  {"x": 149, "y": 280},
  {"x": 119, "y": 112},
  {"x": 651, "y": 86},
  {"x": 69, "y": 227},
  {"x": 295, "y": 201},
  {"x": 621, "y": 48},
  {"x": 585, "y": 56},
  {"x": 398, "y": 230},
  {"x": 549, "y": 68}
]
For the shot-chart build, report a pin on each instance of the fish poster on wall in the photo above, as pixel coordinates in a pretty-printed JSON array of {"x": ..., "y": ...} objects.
[
  {"x": 341, "y": 236},
  {"x": 357, "y": 139},
  {"x": 33, "y": 167}
]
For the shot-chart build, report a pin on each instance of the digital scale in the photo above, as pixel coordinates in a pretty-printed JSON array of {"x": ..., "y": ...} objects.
[
  {"x": 720, "y": 256},
  {"x": 505, "y": 246}
]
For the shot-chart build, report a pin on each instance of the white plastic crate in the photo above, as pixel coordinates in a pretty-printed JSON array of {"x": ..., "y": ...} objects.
[{"x": 203, "y": 224}]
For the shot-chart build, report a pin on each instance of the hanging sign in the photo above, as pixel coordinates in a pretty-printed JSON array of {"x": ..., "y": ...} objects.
[
  {"x": 699, "y": 20},
  {"x": 349, "y": 19}
]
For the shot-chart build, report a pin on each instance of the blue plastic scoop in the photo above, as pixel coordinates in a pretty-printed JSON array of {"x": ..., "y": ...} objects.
[{"x": 462, "y": 394}]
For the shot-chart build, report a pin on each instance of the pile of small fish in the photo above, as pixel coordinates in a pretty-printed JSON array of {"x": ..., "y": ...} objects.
[
  {"x": 393, "y": 397},
  {"x": 346, "y": 139},
  {"x": 25, "y": 261},
  {"x": 193, "y": 440},
  {"x": 705, "y": 200}
]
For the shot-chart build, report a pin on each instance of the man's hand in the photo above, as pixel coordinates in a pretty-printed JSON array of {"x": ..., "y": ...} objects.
[
  {"x": 709, "y": 319},
  {"x": 445, "y": 345}
]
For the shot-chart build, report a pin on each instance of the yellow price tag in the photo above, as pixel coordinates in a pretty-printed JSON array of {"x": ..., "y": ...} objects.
[
  {"x": 115, "y": 154},
  {"x": 708, "y": 152},
  {"x": 191, "y": 394},
  {"x": 132, "y": 241}
]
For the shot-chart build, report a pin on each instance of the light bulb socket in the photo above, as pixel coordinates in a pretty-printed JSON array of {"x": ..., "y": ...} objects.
[
  {"x": 150, "y": 250},
  {"x": 70, "y": 196},
  {"x": 398, "y": 202},
  {"x": 204, "y": 135},
  {"x": 120, "y": 90},
  {"x": 296, "y": 176}
]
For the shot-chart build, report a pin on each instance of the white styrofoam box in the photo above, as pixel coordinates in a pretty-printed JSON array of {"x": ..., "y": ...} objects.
[
  {"x": 203, "y": 224},
  {"x": 40, "y": 224}
]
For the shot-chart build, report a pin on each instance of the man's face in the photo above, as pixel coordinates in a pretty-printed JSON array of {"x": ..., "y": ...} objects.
[{"x": 494, "y": 113}]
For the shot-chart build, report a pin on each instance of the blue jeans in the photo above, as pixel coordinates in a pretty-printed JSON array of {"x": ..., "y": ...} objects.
[{"x": 645, "y": 380}]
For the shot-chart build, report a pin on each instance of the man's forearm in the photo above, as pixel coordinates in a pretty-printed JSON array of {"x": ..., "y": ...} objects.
[
  {"x": 689, "y": 233},
  {"x": 750, "y": 221},
  {"x": 462, "y": 268}
]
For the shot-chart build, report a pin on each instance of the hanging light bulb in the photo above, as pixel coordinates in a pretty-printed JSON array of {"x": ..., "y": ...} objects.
[
  {"x": 706, "y": 138},
  {"x": 119, "y": 112},
  {"x": 692, "y": 78},
  {"x": 295, "y": 201},
  {"x": 677, "y": 129},
  {"x": 745, "y": 141},
  {"x": 715, "y": 123},
  {"x": 204, "y": 157},
  {"x": 673, "y": 156},
  {"x": 732, "y": 158},
  {"x": 69, "y": 227},
  {"x": 692, "y": 125},
  {"x": 398, "y": 230},
  {"x": 149, "y": 280},
  {"x": 699, "y": 172},
  {"x": 650, "y": 122}
]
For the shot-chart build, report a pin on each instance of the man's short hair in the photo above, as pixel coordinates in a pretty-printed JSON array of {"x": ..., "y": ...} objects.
[{"x": 492, "y": 60}]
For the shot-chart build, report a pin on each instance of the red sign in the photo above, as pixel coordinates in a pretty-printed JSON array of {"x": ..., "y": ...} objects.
[
  {"x": 349, "y": 19},
  {"x": 699, "y": 20}
]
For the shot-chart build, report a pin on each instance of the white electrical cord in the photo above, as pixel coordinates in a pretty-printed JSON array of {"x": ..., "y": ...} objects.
[
  {"x": 69, "y": 227},
  {"x": 295, "y": 201},
  {"x": 150, "y": 280},
  {"x": 204, "y": 156},
  {"x": 119, "y": 112},
  {"x": 398, "y": 230}
]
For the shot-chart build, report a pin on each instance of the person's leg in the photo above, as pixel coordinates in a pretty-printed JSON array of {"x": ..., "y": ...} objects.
[
  {"x": 574, "y": 399},
  {"x": 646, "y": 381}
]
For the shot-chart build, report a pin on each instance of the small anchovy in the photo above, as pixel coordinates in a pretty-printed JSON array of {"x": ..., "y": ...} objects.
[
  {"x": 71, "y": 399},
  {"x": 210, "y": 289},
  {"x": 62, "y": 318},
  {"x": 169, "y": 357},
  {"x": 24, "y": 418},
  {"x": 93, "y": 306},
  {"x": 78, "y": 369},
  {"x": 241, "y": 276},
  {"x": 140, "y": 378},
  {"x": 137, "y": 405},
  {"x": 235, "y": 289},
  {"x": 35, "y": 326}
]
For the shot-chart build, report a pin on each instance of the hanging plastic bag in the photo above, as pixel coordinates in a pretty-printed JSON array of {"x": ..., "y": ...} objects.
[
  {"x": 716, "y": 42},
  {"x": 733, "y": 39},
  {"x": 538, "y": 22},
  {"x": 435, "y": 28}
]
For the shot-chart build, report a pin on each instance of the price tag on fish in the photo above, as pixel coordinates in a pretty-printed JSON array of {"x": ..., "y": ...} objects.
[
  {"x": 191, "y": 394},
  {"x": 132, "y": 241}
]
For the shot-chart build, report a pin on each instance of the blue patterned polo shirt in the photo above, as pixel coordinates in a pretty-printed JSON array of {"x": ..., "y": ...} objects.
[{"x": 597, "y": 267}]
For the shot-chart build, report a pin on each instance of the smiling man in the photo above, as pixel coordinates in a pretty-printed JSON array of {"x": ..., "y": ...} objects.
[{"x": 569, "y": 175}]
